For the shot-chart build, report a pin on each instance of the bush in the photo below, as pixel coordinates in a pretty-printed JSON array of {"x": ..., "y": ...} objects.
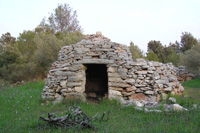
[
  {"x": 18, "y": 72},
  {"x": 190, "y": 59}
]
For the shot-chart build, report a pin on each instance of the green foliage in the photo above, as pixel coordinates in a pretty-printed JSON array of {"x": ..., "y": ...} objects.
[
  {"x": 18, "y": 72},
  {"x": 26, "y": 45},
  {"x": 135, "y": 51},
  {"x": 7, "y": 39},
  {"x": 47, "y": 48},
  {"x": 21, "y": 107},
  {"x": 151, "y": 56},
  {"x": 173, "y": 57},
  {"x": 64, "y": 20},
  {"x": 9, "y": 55},
  {"x": 190, "y": 59},
  {"x": 187, "y": 41},
  {"x": 158, "y": 49},
  {"x": 31, "y": 55}
]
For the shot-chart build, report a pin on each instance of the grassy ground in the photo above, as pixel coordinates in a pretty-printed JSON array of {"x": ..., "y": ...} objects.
[
  {"x": 21, "y": 106},
  {"x": 192, "y": 89}
]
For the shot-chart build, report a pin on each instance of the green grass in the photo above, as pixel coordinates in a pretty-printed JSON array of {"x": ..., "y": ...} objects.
[
  {"x": 21, "y": 106},
  {"x": 192, "y": 89},
  {"x": 192, "y": 83}
]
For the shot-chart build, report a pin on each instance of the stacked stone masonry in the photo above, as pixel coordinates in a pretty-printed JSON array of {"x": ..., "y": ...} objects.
[{"x": 127, "y": 79}]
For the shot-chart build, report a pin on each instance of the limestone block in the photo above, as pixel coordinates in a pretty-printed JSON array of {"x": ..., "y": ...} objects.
[
  {"x": 160, "y": 86},
  {"x": 135, "y": 102},
  {"x": 116, "y": 88},
  {"x": 177, "y": 107},
  {"x": 139, "y": 96},
  {"x": 150, "y": 72},
  {"x": 113, "y": 79},
  {"x": 112, "y": 69},
  {"x": 63, "y": 84},
  {"x": 133, "y": 88},
  {"x": 152, "y": 98},
  {"x": 63, "y": 90},
  {"x": 149, "y": 92},
  {"x": 76, "y": 78},
  {"x": 76, "y": 67},
  {"x": 172, "y": 99},
  {"x": 141, "y": 72},
  {"x": 168, "y": 89},
  {"x": 130, "y": 81},
  {"x": 68, "y": 73},
  {"x": 121, "y": 85},
  {"x": 96, "y": 61},
  {"x": 73, "y": 84},
  {"x": 113, "y": 94},
  {"x": 162, "y": 81},
  {"x": 116, "y": 75},
  {"x": 128, "y": 93},
  {"x": 79, "y": 89},
  {"x": 51, "y": 91}
]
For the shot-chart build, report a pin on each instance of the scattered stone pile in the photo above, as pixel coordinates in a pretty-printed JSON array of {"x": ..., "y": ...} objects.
[
  {"x": 184, "y": 74},
  {"x": 141, "y": 80}
]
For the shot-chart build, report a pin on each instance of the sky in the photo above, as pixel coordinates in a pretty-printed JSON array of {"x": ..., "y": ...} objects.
[{"x": 123, "y": 21}]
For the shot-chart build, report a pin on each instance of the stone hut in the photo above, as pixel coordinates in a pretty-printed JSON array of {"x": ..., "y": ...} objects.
[{"x": 98, "y": 68}]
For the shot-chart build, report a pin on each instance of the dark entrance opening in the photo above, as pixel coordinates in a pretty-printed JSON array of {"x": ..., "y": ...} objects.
[{"x": 96, "y": 81}]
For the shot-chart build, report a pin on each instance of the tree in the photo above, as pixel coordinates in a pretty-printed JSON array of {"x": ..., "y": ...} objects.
[
  {"x": 47, "y": 48},
  {"x": 135, "y": 51},
  {"x": 44, "y": 27},
  {"x": 187, "y": 41},
  {"x": 7, "y": 39},
  {"x": 173, "y": 57},
  {"x": 26, "y": 44},
  {"x": 151, "y": 56},
  {"x": 64, "y": 19},
  {"x": 190, "y": 59},
  {"x": 158, "y": 49}
]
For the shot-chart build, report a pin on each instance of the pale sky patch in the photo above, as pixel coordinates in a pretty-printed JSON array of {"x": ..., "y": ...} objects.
[{"x": 121, "y": 21}]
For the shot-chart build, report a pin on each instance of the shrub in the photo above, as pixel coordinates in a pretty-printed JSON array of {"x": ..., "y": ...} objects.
[{"x": 190, "y": 59}]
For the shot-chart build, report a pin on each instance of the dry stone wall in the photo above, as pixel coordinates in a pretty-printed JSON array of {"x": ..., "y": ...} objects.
[
  {"x": 140, "y": 80},
  {"x": 184, "y": 74}
]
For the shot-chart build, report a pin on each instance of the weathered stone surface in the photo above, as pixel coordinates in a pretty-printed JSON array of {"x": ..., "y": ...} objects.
[
  {"x": 76, "y": 78},
  {"x": 149, "y": 92},
  {"x": 162, "y": 81},
  {"x": 139, "y": 96},
  {"x": 135, "y": 103},
  {"x": 141, "y": 72},
  {"x": 172, "y": 99},
  {"x": 177, "y": 107},
  {"x": 113, "y": 94},
  {"x": 122, "y": 85},
  {"x": 168, "y": 89},
  {"x": 114, "y": 79},
  {"x": 130, "y": 81},
  {"x": 96, "y": 61},
  {"x": 79, "y": 89},
  {"x": 63, "y": 83},
  {"x": 112, "y": 69},
  {"x": 128, "y": 93},
  {"x": 73, "y": 84},
  {"x": 116, "y": 88}
]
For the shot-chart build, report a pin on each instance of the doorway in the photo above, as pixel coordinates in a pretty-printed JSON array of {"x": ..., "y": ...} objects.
[{"x": 96, "y": 81}]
